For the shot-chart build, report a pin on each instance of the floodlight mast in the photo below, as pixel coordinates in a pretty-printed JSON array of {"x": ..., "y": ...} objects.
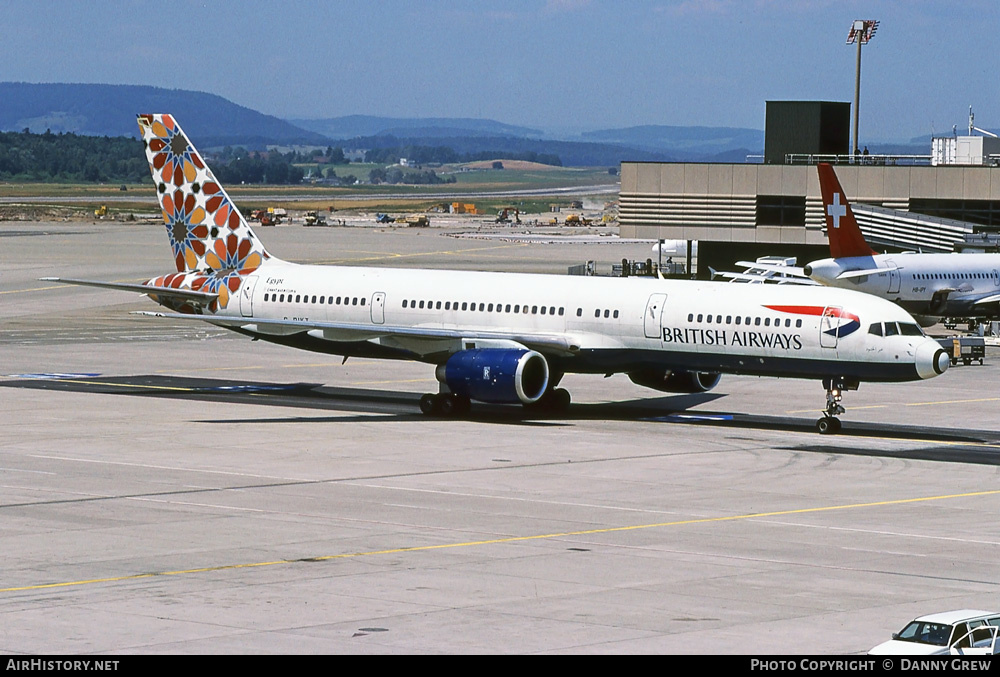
[{"x": 862, "y": 31}]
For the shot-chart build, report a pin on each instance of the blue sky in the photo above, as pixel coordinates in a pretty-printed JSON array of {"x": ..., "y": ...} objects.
[{"x": 549, "y": 64}]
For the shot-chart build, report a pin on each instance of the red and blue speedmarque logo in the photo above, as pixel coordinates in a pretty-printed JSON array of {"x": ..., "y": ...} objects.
[{"x": 841, "y": 323}]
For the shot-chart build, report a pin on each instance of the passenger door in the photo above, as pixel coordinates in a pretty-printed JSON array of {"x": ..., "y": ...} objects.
[
  {"x": 828, "y": 326},
  {"x": 246, "y": 296},
  {"x": 378, "y": 308},
  {"x": 654, "y": 312}
]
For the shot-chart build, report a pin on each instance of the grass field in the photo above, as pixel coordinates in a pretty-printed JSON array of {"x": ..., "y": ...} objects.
[{"x": 85, "y": 198}]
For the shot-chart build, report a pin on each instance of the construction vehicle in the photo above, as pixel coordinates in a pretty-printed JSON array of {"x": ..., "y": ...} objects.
[
  {"x": 315, "y": 219},
  {"x": 416, "y": 220},
  {"x": 577, "y": 220},
  {"x": 504, "y": 215},
  {"x": 101, "y": 211},
  {"x": 384, "y": 218},
  {"x": 272, "y": 216}
]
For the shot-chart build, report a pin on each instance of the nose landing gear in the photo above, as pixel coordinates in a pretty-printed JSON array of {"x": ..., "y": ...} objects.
[{"x": 829, "y": 424}]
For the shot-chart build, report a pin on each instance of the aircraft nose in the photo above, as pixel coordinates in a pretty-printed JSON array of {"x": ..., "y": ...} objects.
[{"x": 931, "y": 359}]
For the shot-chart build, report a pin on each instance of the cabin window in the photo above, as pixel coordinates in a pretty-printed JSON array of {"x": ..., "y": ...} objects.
[
  {"x": 597, "y": 313},
  {"x": 543, "y": 310},
  {"x": 756, "y": 321},
  {"x": 700, "y": 316},
  {"x": 616, "y": 314},
  {"x": 709, "y": 319},
  {"x": 561, "y": 311},
  {"x": 579, "y": 313},
  {"x": 507, "y": 308},
  {"x": 739, "y": 320},
  {"x": 404, "y": 302},
  {"x": 690, "y": 317},
  {"x": 605, "y": 314},
  {"x": 798, "y": 323},
  {"x": 489, "y": 308}
]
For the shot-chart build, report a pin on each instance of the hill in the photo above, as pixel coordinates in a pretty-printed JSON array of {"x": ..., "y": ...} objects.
[
  {"x": 352, "y": 126},
  {"x": 108, "y": 110},
  {"x": 696, "y": 142}
]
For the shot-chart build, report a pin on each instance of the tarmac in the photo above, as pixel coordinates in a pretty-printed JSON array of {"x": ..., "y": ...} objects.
[{"x": 172, "y": 488}]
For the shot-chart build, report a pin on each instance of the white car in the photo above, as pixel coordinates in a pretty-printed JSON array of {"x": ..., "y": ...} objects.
[{"x": 963, "y": 631}]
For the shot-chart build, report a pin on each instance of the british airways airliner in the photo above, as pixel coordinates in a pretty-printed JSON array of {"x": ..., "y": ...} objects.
[
  {"x": 930, "y": 286},
  {"x": 506, "y": 337}
]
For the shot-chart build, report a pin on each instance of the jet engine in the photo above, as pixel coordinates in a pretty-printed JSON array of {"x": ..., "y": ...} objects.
[
  {"x": 496, "y": 375},
  {"x": 675, "y": 381}
]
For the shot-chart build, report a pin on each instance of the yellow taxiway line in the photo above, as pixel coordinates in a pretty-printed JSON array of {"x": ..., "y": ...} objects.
[{"x": 496, "y": 541}]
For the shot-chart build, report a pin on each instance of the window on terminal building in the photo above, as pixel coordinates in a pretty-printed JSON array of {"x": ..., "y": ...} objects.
[{"x": 781, "y": 210}]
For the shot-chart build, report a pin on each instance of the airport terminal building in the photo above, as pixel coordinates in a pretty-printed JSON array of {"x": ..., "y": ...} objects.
[{"x": 742, "y": 211}]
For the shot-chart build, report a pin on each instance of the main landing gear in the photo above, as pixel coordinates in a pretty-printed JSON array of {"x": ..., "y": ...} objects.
[
  {"x": 445, "y": 405},
  {"x": 450, "y": 405},
  {"x": 829, "y": 424}
]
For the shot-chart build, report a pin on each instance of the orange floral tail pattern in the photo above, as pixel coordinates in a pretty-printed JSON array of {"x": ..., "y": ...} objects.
[{"x": 213, "y": 246}]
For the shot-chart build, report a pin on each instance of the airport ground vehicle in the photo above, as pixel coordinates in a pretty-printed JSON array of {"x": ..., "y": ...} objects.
[
  {"x": 943, "y": 633},
  {"x": 964, "y": 349},
  {"x": 509, "y": 338}
]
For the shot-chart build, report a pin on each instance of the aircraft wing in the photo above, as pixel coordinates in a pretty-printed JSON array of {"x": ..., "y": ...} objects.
[
  {"x": 199, "y": 297},
  {"x": 757, "y": 272},
  {"x": 792, "y": 271},
  {"x": 347, "y": 331}
]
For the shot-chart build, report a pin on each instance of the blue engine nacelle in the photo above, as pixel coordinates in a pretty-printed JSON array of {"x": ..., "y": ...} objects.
[
  {"x": 496, "y": 375},
  {"x": 672, "y": 381}
]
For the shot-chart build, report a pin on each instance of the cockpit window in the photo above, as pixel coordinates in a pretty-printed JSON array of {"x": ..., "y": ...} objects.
[
  {"x": 909, "y": 329},
  {"x": 891, "y": 329},
  {"x": 875, "y": 329}
]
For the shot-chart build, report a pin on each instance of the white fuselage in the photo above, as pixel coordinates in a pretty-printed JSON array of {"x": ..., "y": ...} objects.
[
  {"x": 935, "y": 285},
  {"x": 583, "y": 324}
]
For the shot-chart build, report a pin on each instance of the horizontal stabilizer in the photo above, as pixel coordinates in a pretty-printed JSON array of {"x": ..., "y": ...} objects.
[
  {"x": 847, "y": 275},
  {"x": 200, "y": 297}
]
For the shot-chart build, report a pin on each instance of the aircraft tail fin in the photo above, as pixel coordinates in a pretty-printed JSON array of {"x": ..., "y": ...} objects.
[
  {"x": 208, "y": 234},
  {"x": 841, "y": 227}
]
